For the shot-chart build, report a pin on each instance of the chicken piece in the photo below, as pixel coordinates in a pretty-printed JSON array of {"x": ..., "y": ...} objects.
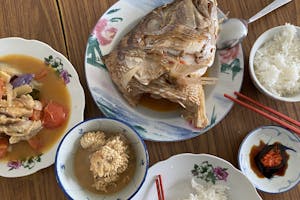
[
  {"x": 5, "y": 120},
  {"x": 22, "y": 90},
  {"x": 173, "y": 45},
  {"x": 92, "y": 140},
  {"x": 108, "y": 162},
  {"x": 16, "y": 108},
  {"x": 8, "y": 69},
  {"x": 20, "y": 107},
  {"x": 5, "y": 76},
  {"x": 16, "y": 111},
  {"x": 25, "y": 100},
  {"x": 22, "y": 130},
  {"x": 37, "y": 105}
]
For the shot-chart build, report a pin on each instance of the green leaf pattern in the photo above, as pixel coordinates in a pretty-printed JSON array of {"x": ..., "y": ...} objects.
[
  {"x": 213, "y": 116},
  {"x": 210, "y": 174},
  {"x": 94, "y": 53},
  {"x": 27, "y": 163},
  {"x": 58, "y": 67},
  {"x": 116, "y": 19},
  {"x": 112, "y": 11},
  {"x": 234, "y": 67}
]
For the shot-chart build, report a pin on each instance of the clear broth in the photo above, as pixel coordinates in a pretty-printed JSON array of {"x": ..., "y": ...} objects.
[{"x": 85, "y": 177}]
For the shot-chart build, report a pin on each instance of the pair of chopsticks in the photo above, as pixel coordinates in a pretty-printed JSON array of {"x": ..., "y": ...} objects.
[
  {"x": 265, "y": 114},
  {"x": 159, "y": 188}
]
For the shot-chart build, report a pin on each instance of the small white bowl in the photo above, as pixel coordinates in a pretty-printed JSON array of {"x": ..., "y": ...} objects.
[
  {"x": 64, "y": 161},
  {"x": 270, "y": 135},
  {"x": 266, "y": 36}
]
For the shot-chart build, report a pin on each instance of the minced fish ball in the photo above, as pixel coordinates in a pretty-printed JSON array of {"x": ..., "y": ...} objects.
[{"x": 277, "y": 63}]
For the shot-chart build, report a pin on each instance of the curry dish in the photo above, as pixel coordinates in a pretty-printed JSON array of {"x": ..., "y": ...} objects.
[{"x": 34, "y": 108}]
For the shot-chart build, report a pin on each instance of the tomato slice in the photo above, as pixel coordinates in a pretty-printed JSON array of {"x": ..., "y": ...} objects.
[
  {"x": 3, "y": 147},
  {"x": 54, "y": 115}
]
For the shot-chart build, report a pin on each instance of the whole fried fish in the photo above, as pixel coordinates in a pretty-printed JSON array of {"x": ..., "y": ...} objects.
[{"x": 166, "y": 54}]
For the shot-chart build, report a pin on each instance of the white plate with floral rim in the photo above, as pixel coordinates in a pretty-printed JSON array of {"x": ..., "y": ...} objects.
[
  {"x": 178, "y": 170},
  {"x": 150, "y": 124},
  {"x": 270, "y": 135},
  {"x": 62, "y": 66}
]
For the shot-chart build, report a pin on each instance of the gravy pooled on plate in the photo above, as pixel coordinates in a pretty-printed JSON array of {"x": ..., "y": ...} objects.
[{"x": 104, "y": 163}]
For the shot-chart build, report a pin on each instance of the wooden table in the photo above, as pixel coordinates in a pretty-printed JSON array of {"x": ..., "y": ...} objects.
[{"x": 66, "y": 24}]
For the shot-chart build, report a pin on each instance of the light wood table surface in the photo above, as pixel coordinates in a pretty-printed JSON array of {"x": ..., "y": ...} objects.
[{"x": 66, "y": 24}]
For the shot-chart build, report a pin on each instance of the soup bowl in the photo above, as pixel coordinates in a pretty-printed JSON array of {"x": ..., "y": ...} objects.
[{"x": 65, "y": 157}]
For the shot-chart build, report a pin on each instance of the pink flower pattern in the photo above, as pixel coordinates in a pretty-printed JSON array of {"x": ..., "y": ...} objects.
[
  {"x": 207, "y": 172},
  {"x": 228, "y": 55},
  {"x": 104, "y": 32},
  {"x": 14, "y": 164},
  {"x": 220, "y": 173}
]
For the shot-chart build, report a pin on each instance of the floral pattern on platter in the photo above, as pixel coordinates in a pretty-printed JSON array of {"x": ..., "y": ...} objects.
[
  {"x": 57, "y": 65},
  {"x": 207, "y": 172},
  {"x": 94, "y": 53},
  {"x": 229, "y": 61},
  {"x": 104, "y": 31},
  {"x": 27, "y": 163}
]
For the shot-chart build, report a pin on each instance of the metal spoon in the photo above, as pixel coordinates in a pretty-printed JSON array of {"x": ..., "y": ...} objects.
[{"x": 234, "y": 30}]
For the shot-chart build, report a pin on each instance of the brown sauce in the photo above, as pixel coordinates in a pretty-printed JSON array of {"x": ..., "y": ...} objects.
[
  {"x": 161, "y": 105},
  {"x": 254, "y": 151},
  {"x": 85, "y": 177},
  {"x": 53, "y": 88}
]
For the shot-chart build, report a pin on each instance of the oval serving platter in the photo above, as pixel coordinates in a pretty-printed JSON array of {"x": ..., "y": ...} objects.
[
  {"x": 42, "y": 51},
  {"x": 150, "y": 124}
]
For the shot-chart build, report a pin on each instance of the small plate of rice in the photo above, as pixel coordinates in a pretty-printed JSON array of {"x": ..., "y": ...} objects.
[
  {"x": 197, "y": 176},
  {"x": 274, "y": 63}
]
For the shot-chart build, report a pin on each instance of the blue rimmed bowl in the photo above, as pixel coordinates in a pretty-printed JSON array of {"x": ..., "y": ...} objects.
[
  {"x": 270, "y": 135},
  {"x": 64, "y": 161}
]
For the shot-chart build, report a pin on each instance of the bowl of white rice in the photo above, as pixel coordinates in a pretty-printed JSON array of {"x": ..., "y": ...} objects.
[{"x": 274, "y": 63}]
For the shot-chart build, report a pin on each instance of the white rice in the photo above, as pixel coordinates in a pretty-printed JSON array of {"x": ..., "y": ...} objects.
[
  {"x": 208, "y": 192},
  {"x": 277, "y": 63}
]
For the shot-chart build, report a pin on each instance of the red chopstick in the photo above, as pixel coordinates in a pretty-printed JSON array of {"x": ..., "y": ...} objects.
[
  {"x": 159, "y": 188},
  {"x": 297, "y": 123},
  {"x": 272, "y": 118}
]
